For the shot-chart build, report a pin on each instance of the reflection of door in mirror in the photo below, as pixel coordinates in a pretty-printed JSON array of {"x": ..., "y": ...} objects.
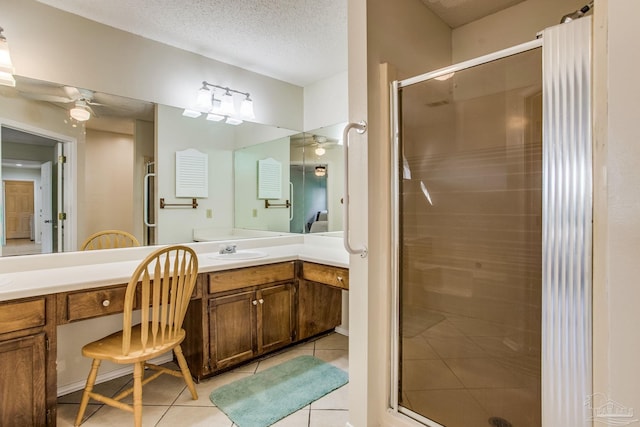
[
  {"x": 309, "y": 198},
  {"x": 24, "y": 160}
]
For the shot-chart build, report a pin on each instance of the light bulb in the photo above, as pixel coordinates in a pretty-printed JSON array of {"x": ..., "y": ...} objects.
[
  {"x": 203, "y": 101},
  {"x": 320, "y": 151},
  {"x": 246, "y": 108},
  {"x": 227, "y": 107},
  {"x": 80, "y": 112}
]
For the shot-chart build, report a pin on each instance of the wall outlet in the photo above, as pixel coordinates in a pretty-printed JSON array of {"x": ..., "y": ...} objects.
[
  {"x": 209, "y": 213},
  {"x": 254, "y": 213}
]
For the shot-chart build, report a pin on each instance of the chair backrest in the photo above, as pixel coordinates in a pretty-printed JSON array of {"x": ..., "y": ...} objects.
[
  {"x": 163, "y": 284},
  {"x": 109, "y": 239}
]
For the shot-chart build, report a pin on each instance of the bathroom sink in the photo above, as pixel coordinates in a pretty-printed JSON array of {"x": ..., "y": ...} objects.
[{"x": 239, "y": 255}]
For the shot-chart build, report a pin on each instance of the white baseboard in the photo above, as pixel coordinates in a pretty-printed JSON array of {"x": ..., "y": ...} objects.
[
  {"x": 108, "y": 376},
  {"x": 342, "y": 331}
]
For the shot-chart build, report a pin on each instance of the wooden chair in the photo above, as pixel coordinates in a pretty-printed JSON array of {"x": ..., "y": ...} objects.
[
  {"x": 163, "y": 284},
  {"x": 109, "y": 239}
]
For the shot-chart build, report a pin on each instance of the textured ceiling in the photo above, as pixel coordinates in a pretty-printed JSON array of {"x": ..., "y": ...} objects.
[
  {"x": 459, "y": 12},
  {"x": 297, "y": 41}
]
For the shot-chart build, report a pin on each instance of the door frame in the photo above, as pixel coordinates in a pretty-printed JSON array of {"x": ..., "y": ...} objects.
[{"x": 70, "y": 187}]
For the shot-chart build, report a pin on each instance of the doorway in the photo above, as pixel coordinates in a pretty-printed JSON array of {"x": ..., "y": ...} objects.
[{"x": 32, "y": 192}]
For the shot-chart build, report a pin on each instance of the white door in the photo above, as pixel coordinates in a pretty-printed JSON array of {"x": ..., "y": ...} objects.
[
  {"x": 46, "y": 209},
  {"x": 58, "y": 213}
]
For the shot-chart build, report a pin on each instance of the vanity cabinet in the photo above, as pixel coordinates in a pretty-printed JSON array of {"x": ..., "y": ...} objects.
[
  {"x": 244, "y": 313},
  {"x": 246, "y": 324},
  {"x": 27, "y": 362},
  {"x": 320, "y": 298}
]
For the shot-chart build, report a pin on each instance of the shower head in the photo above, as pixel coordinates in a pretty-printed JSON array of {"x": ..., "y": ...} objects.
[{"x": 577, "y": 14}]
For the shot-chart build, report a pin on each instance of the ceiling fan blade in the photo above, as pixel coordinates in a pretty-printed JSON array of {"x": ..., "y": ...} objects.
[{"x": 72, "y": 92}]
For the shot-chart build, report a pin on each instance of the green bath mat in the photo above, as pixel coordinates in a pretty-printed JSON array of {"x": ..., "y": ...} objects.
[{"x": 268, "y": 396}]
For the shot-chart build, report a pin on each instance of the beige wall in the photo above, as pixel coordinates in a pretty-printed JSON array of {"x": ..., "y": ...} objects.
[
  {"x": 509, "y": 27},
  {"x": 616, "y": 229},
  {"x": 616, "y": 211},
  {"x": 406, "y": 35},
  {"x": 49, "y": 44},
  {"x": 108, "y": 183}
]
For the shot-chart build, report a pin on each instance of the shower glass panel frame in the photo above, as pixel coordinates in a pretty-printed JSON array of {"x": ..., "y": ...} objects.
[{"x": 401, "y": 170}]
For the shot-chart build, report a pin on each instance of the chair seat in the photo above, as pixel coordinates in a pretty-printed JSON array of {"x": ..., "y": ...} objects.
[{"x": 110, "y": 347}]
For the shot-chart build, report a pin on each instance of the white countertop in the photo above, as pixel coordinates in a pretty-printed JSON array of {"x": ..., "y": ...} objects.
[{"x": 103, "y": 268}]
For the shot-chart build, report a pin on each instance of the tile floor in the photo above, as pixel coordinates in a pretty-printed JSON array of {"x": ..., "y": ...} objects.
[
  {"x": 459, "y": 371},
  {"x": 167, "y": 402}
]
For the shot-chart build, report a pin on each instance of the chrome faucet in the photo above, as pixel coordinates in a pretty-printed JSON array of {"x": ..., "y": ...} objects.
[{"x": 228, "y": 249}]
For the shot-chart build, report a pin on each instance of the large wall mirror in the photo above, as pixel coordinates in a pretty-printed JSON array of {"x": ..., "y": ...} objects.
[{"x": 121, "y": 162}]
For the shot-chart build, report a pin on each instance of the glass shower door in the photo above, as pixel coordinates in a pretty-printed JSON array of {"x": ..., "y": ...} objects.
[{"x": 469, "y": 239}]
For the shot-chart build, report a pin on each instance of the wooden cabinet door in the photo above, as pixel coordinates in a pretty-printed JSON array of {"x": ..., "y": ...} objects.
[
  {"x": 319, "y": 308},
  {"x": 232, "y": 322},
  {"x": 275, "y": 311},
  {"x": 23, "y": 381}
]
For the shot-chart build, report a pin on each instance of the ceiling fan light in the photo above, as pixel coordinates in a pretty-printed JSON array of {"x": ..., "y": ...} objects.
[
  {"x": 80, "y": 112},
  {"x": 246, "y": 108},
  {"x": 320, "y": 151},
  {"x": 203, "y": 100}
]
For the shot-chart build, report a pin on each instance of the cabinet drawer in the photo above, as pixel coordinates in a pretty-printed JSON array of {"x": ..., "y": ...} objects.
[
  {"x": 87, "y": 304},
  {"x": 251, "y": 276},
  {"x": 16, "y": 316},
  {"x": 333, "y": 276}
]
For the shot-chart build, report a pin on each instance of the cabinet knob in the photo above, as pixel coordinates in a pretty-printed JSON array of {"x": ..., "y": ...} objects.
[
  {"x": 261, "y": 301},
  {"x": 106, "y": 303},
  {"x": 255, "y": 302}
]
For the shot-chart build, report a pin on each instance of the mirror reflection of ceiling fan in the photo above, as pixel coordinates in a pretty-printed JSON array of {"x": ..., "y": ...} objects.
[
  {"x": 83, "y": 104},
  {"x": 320, "y": 144}
]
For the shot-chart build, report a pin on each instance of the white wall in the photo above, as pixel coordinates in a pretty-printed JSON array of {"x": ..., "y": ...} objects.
[
  {"x": 176, "y": 133},
  {"x": 326, "y": 102},
  {"x": 246, "y": 180}
]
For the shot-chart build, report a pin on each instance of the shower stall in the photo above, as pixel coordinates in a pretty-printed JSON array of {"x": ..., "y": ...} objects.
[{"x": 492, "y": 205}]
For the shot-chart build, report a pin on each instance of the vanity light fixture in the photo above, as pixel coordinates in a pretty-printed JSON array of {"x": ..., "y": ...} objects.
[
  {"x": 221, "y": 105},
  {"x": 6, "y": 66},
  {"x": 80, "y": 111},
  {"x": 320, "y": 170}
]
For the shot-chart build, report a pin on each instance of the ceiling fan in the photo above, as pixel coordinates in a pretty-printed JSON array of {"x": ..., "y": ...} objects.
[{"x": 81, "y": 100}]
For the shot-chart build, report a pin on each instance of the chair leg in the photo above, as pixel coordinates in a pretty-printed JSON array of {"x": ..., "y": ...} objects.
[
  {"x": 138, "y": 369},
  {"x": 185, "y": 372},
  {"x": 91, "y": 380}
]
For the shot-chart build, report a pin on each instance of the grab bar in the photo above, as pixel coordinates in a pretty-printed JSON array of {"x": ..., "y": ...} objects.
[
  {"x": 291, "y": 198},
  {"x": 360, "y": 128},
  {"x": 146, "y": 199}
]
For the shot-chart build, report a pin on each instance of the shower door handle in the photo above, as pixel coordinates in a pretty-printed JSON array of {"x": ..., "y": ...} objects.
[{"x": 360, "y": 128}]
